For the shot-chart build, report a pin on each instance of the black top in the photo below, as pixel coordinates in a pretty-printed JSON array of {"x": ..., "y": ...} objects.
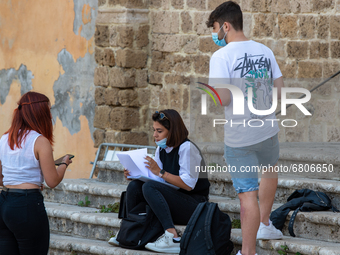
[{"x": 171, "y": 165}]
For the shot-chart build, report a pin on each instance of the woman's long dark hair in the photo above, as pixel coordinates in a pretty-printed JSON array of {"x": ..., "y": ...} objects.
[{"x": 174, "y": 123}]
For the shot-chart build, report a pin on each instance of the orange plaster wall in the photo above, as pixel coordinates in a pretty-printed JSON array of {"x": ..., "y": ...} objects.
[{"x": 32, "y": 33}]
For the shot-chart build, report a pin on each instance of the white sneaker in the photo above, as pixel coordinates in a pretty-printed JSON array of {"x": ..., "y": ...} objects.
[
  {"x": 239, "y": 253},
  {"x": 268, "y": 232},
  {"x": 113, "y": 240},
  {"x": 165, "y": 243}
]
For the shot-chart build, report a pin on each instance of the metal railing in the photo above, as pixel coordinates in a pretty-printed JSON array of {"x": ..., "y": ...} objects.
[
  {"x": 116, "y": 146},
  {"x": 316, "y": 87}
]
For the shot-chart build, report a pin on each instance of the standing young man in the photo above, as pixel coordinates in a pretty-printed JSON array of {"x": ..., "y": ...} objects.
[{"x": 250, "y": 139}]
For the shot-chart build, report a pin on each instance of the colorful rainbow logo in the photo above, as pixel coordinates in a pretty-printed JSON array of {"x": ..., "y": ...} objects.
[{"x": 209, "y": 93}]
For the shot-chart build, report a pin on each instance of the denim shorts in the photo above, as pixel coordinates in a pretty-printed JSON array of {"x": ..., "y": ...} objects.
[{"x": 246, "y": 162}]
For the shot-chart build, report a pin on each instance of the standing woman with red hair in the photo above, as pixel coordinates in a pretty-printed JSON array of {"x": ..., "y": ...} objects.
[{"x": 26, "y": 159}]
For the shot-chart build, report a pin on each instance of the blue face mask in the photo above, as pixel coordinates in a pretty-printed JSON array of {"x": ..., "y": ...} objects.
[
  {"x": 162, "y": 143},
  {"x": 218, "y": 42}
]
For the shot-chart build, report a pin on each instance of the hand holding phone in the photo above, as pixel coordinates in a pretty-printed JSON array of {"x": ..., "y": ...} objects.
[{"x": 60, "y": 160}]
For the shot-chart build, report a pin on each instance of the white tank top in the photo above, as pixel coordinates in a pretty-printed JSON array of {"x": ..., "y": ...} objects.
[{"x": 20, "y": 165}]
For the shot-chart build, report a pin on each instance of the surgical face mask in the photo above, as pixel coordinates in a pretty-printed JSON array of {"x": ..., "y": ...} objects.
[
  {"x": 218, "y": 42},
  {"x": 162, "y": 143}
]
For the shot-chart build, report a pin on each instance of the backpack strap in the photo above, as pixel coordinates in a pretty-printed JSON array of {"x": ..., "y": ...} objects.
[
  {"x": 190, "y": 226},
  {"x": 291, "y": 222},
  {"x": 207, "y": 227}
]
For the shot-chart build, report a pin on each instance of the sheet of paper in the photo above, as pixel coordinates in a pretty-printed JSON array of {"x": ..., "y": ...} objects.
[{"x": 134, "y": 161}]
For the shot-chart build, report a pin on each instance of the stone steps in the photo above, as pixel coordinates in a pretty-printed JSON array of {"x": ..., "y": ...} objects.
[
  {"x": 69, "y": 245},
  {"x": 89, "y": 223}
]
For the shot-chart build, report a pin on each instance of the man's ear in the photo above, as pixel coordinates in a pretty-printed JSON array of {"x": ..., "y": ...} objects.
[{"x": 226, "y": 26}]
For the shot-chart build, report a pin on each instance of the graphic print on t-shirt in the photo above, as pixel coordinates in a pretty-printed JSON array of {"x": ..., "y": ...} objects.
[{"x": 255, "y": 70}]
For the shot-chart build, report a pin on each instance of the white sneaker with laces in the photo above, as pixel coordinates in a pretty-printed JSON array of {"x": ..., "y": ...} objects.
[
  {"x": 113, "y": 240},
  {"x": 239, "y": 253},
  {"x": 165, "y": 243},
  {"x": 268, "y": 232}
]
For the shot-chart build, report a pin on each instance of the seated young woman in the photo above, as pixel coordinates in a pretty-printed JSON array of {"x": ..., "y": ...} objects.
[{"x": 175, "y": 161}]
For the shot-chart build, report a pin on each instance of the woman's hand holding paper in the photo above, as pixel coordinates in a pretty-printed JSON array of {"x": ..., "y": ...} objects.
[{"x": 152, "y": 165}]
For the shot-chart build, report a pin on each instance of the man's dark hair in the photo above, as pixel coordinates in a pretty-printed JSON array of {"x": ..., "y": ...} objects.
[
  {"x": 227, "y": 12},
  {"x": 173, "y": 122}
]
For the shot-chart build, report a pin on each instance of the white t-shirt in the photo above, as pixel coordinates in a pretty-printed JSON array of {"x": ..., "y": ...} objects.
[{"x": 247, "y": 64}]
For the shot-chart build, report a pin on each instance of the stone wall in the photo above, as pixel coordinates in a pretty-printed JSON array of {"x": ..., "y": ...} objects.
[{"x": 150, "y": 51}]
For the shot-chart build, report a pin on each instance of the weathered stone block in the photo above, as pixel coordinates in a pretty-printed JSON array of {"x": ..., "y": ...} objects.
[
  {"x": 142, "y": 36},
  {"x": 289, "y": 69},
  {"x": 104, "y": 57},
  {"x": 325, "y": 110},
  {"x": 167, "y": 43},
  {"x": 164, "y": 97},
  {"x": 176, "y": 79},
  {"x": 200, "y": 19},
  {"x": 156, "y": 78},
  {"x": 101, "y": 3},
  {"x": 190, "y": 44},
  {"x": 201, "y": 64},
  {"x": 156, "y": 59},
  {"x": 212, "y": 4},
  {"x": 297, "y": 49},
  {"x": 102, "y": 117},
  {"x": 131, "y": 58},
  {"x": 125, "y": 38},
  {"x": 246, "y": 5},
  {"x": 101, "y": 76},
  {"x": 315, "y": 133},
  {"x": 333, "y": 134},
  {"x": 154, "y": 91},
  {"x": 207, "y": 45},
  {"x": 143, "y": 4},
  {"x": 121, "y": 78},
  {"x": 330, "y": 67},
  {"x": 264, "y": 24},
  {"x": 123, "y": 118},
  {"x": 308, "y": 69},
  {"x": 127, "y": 137},
  {"x": 248, "y": 24},
  {"x": 175, "y": 95},
  {"x": 185, "y": 98},
  {"x": 177, "y": 4},
  {"x": 128, "y": 97},
  {"x": 113, "y": 36},
  {"x": 101, "y": 36},
  {"x": 323, "y": 27},
  {"x": 319, "y": 50},
  {"x": 307, "y": 26},
  {"x": 164, "y": 4},
  {"x": 278, "y": 47},
  {"x": 165, "y": 22},
  {"x": 99, "y": 95},
  {"x": 186, "y": 24},
  {"x": 99, "y": 55},
  {"x": 98, "y": 136},
  {"x": 177, "y": 63},
  {"x": 319, "y": 6},
  {"x": 335, "y": 27},
  {"x": 111, "y": 96},
  {"x": 197, "y": 4},
  {"x": 335, "y": 49},
  {"x": 296, "y": 134},
  {"x": 144, "y": 96},
  {"x": 261, "y": 5},
  {"x": 280, "y": 6},
  {"x": 288, "y": 26},
  {"x": 142, "y": 78}
]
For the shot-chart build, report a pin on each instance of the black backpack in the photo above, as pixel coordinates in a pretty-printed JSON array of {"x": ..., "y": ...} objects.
[
  {"x": 304, "y": 200},
  {"x": 139, "y": 227},
  {"x": 208, "y": 232}
]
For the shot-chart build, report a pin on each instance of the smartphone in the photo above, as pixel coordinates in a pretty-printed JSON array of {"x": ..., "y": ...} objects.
[{"x": 59, "y": 160}]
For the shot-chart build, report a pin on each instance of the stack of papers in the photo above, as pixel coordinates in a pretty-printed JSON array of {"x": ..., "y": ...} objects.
[{"x": 134, "y": 162}]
